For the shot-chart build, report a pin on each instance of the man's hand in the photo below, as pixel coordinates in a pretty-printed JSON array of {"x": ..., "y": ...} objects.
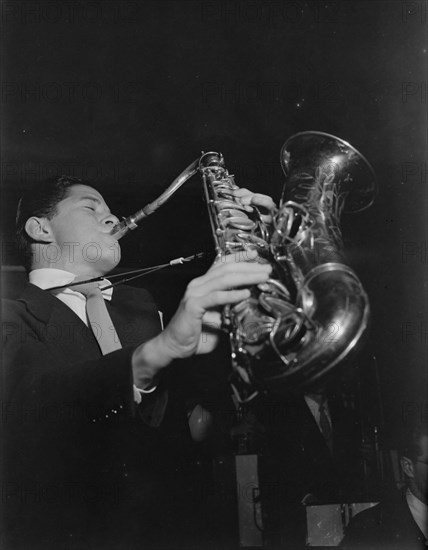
[
  {"x": 221, "y": 285},
  {"x": 264, "y": 203}
]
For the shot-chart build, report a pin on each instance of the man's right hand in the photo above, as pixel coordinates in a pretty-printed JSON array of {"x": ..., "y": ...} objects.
[{"x": 204, "y": 297}]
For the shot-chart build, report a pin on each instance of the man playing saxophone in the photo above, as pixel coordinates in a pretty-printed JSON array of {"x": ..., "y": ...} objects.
[{"x": 82, "y": 397}]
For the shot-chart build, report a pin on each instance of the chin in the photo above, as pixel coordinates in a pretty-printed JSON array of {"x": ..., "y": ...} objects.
[
  {"x": 106, "y": 267},
  {"x": 108, "y": 261}
]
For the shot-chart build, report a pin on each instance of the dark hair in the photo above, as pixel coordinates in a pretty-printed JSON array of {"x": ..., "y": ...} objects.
[
  {"x": 411, "y": 441},
  {"x": 40, "y": 202}
]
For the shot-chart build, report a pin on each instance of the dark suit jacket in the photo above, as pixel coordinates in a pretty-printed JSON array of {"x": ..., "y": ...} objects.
[
  {"x": 389, "y": 525},
  {"x": 81, "y": 461},
  {"x": 295, "y": 461},
  {"x": 296, "y": 455}
]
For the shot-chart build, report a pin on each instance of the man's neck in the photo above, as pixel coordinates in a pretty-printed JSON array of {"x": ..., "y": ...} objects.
[{"x": 77, "y": 271}]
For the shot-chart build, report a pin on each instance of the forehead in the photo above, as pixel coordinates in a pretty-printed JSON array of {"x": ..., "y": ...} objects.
[{"x": 79, "y": 192}]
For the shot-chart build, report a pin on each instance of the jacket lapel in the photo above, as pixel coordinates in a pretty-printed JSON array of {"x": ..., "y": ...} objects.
[
  {"x": 61, "y": 327},
  {"x": 133, "y": 325}
]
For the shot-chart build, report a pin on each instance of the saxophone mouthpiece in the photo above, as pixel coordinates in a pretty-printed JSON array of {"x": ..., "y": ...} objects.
[{"x": 122, "y": 228}]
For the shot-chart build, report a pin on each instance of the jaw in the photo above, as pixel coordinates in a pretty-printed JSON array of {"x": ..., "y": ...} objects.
[{"x": 92, "y": 260}]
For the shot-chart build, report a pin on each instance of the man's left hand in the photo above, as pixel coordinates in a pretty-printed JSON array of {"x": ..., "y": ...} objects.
[
  {"x": 264, "y": 203},
  {"x": 212, "y": 319}
]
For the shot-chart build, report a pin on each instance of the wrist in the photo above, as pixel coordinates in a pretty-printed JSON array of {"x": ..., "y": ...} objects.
[{"x": 148, "y": 361}]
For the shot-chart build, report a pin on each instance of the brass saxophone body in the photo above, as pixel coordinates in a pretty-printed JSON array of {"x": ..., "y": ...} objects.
[{"x": 312, "y": 312}]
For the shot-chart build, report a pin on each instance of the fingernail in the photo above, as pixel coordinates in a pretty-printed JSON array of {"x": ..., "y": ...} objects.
[{"x": 263, "y": 287}]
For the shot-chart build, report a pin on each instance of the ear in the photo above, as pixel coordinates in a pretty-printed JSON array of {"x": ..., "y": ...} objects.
[
  {"x": 407, "y": 466},
  {"x": 39, "y": 229}
]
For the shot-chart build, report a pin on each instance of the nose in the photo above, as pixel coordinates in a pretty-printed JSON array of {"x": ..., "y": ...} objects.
[{"x": 110, "y": 220}]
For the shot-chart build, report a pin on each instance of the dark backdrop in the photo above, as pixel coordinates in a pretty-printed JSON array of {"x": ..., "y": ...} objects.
[{"x": 127, "y": 93}]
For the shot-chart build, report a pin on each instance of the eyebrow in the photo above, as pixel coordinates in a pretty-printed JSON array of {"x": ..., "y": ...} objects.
[{"x": 93, "y": 199}]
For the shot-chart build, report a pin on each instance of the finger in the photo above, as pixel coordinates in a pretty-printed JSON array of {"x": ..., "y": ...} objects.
[
  {"x": 223, "y": 297},
  {"x": 230, "y": 262},
  {"x": 234, "y": 260},
  {"x": 212, "y": 317},
  {"x": 244, "y": 196},
  {"x": 247, "y": 254},
  {"x": 263, "y": 201},
  {"x": 230, "y": 268},
  {"x": 229, "y": 280},
  {"x": 242, "y": 192},
  {"x": 248, "y": 198}
]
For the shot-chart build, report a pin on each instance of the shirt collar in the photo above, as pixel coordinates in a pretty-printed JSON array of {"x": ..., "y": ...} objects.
[
  {"x": 315, "y": 404},
  {"x": 418, "y": 509},
  {"x": 417, "y": 503},
  {"x": 47, "y": 277}
]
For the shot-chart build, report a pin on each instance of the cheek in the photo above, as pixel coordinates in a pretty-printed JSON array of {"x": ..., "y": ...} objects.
[
  {"x": 73, "y": 231},
  {"x": 115, "y": 252}
]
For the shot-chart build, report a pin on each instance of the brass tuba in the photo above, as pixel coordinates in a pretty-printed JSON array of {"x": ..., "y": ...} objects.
[{"x": 311, "y": 313}]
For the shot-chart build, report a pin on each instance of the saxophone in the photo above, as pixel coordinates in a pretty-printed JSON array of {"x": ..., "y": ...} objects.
[{"x": 312, "y": 312}]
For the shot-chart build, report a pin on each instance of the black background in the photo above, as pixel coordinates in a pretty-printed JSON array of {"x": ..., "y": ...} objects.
[{"x": 126, "y": 94}]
